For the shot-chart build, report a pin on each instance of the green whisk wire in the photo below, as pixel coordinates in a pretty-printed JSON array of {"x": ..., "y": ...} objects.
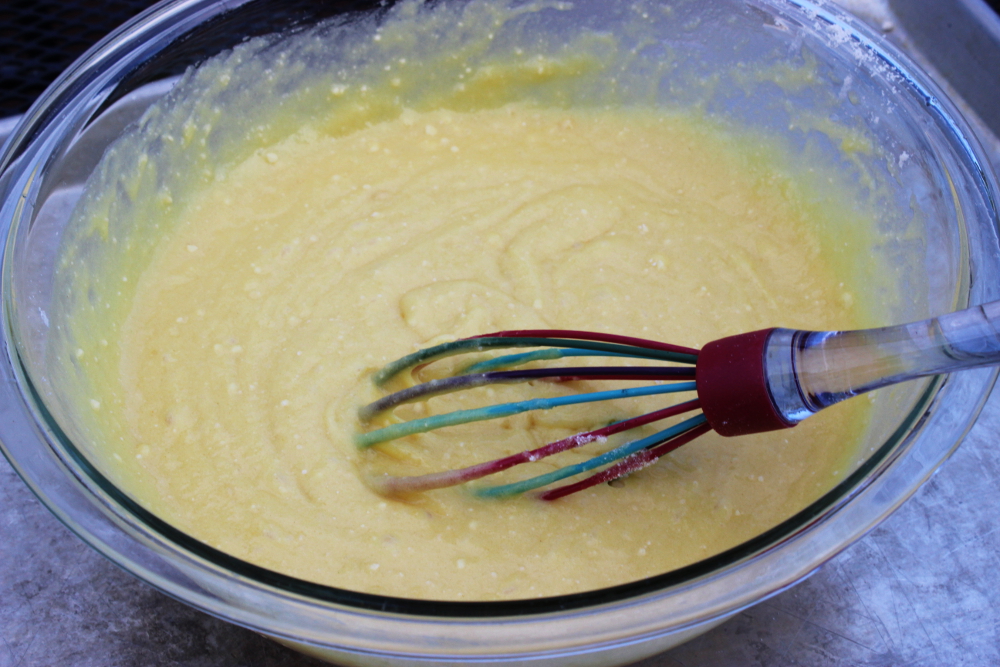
[
  {"x": 394, "y": 431},
  {"x": 554, "y": 344},
  {"x": 517, "y": 488},
  {"x": 510, "y": 360},
  {"x": 430, "y": 354}
]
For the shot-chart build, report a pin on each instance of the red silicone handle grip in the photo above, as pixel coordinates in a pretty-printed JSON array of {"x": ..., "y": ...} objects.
[{"x": 732, "y": 386}]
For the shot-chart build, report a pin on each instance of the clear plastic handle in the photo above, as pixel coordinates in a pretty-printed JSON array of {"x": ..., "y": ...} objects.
[{"x": 809, "y": 370}]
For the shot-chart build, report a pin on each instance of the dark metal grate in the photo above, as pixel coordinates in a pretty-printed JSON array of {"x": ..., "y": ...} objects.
[{"x": 40, "y": 38}]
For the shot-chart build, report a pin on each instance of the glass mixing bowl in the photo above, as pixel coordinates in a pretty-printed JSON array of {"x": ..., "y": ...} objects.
[{"x": 822, "y": 71}]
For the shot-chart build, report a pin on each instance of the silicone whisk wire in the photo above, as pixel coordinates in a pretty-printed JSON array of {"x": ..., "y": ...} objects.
[
  {"x": 506, "y": 339},
  {"x": 424, "y": 424},
  {"x": 395, "y": 485},
  {"x": 555, "y": 345},
  {"x": 517, "y": 488}
]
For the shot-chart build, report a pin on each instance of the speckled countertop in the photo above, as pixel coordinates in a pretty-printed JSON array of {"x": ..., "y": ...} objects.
[{"x": 917, "y": 591}]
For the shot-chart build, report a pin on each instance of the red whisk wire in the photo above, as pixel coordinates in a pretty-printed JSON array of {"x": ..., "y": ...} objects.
[
  {"x": 591, "y": 335},
  {"x": 412, "y": 484},
  {"x": 630, "y": 464}
]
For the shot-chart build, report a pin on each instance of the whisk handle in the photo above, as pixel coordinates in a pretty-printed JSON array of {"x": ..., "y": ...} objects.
[
  {"x": 831, "y": 366},
  {"x": 732, "y": 383},
  {"x": 775, "y": 378}
]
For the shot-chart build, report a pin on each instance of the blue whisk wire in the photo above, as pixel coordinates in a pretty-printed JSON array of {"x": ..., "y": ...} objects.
[
  {"x": 517, "y": 488},
  {"x": 511, "y": 360},
  {"x": 550, "y": 344},
  {"x": 403, "y": 429}
]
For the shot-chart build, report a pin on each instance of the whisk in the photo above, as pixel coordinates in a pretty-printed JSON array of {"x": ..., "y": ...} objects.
[{"x": 749, "y": 383}]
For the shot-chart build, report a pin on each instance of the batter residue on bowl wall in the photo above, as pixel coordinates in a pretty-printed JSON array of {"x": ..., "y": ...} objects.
[{"x": 224, "y": 373}]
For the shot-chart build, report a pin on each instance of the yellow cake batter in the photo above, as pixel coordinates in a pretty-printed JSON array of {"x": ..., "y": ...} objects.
[
  {"x": 224, "y": 379},
  {"x": 318, "y": 260}
]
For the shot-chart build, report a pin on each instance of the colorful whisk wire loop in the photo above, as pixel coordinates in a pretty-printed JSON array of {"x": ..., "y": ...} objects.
[{"x": 550, "y": 345}]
